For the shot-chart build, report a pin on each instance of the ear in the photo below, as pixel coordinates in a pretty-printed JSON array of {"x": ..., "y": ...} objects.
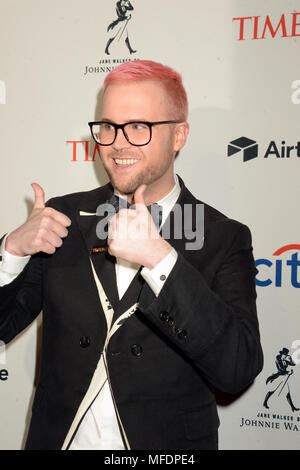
[{"x": 181, "y": 133}]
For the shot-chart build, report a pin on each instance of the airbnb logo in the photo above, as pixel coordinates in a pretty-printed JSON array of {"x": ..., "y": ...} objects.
[{"x": 257, "y": 27}]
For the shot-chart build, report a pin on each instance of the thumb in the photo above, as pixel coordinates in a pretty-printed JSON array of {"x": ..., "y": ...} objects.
[
  {"x": 39, "y": 195},
  {"x": 139, "y": 195}
]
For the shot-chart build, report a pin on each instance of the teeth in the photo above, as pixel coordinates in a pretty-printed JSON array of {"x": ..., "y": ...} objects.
[{"x": 125, "y": 162}]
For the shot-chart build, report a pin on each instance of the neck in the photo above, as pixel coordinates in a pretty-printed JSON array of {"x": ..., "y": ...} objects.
[{"x": 154, "y": 191}]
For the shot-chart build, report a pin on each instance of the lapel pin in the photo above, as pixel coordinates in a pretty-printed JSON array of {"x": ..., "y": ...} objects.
[{"x": 102, "y": 249}]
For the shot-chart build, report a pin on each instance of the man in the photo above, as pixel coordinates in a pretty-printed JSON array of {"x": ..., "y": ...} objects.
[{"x": 138, "y": 329}]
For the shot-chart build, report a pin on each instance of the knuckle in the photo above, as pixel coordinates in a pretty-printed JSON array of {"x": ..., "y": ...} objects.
[
  {"x": 59, "y": 243},
  {"x": 41, "y": 233},
  {"x": 45, "y": 221},
  {"x": 48, "y": 211},
  {"x": 37, "y": 244},
  {"x": 50, "y": 250},
  {"x": 112, "y": 246},
  {"x": 67, "y": 221},
  {"x": 65, "y": 233}
]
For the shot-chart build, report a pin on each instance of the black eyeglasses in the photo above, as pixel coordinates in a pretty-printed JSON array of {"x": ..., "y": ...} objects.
[{"x": 137, "y": 133}]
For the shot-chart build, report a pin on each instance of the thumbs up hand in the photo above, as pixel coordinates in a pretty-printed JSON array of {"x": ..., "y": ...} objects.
[
  {"x": 133, "y": 236},
  {"x": 139, "y": 196},
  {"x": 39, "y": 202},
  {"x": 43, "y": 231}
]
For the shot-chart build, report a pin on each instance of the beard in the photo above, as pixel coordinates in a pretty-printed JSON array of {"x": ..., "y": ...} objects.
[
  {"x": 129, "y": 187},
  {"x": 146, "y": 175}
]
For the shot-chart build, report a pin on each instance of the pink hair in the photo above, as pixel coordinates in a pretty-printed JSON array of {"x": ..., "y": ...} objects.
[{"x": 149, "y": 70}]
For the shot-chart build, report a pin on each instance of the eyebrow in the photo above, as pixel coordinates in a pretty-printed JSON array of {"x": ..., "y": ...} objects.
[{"x": 131, "y": 120}]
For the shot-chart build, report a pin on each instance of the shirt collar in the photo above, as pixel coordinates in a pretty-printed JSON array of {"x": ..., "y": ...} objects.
[{"x": 168, "y": 201}]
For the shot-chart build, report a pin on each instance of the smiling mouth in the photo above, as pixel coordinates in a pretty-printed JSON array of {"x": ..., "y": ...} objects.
[{"x": 125, "y": 161}]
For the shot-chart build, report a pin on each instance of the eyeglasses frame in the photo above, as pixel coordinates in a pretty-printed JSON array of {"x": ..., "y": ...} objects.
[{"x": 122, "y": 126}]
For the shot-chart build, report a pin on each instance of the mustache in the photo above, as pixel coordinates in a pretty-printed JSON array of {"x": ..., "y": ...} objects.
[{"x": 124, "y": 153}]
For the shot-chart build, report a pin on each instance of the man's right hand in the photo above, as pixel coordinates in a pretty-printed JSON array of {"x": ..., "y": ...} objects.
[{"x": 43, "y": 231}]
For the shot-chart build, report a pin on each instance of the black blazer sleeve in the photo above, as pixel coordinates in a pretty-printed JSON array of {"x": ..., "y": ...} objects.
[
  {"x": 21, "y": 300},
  {"x": 213, "y": 319}
]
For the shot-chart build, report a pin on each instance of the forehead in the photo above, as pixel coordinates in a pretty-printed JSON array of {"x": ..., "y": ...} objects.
[{"x": 126, "y": 100}]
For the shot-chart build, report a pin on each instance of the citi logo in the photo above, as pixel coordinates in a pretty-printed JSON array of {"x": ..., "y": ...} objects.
[
  {"x": 248, "y": 148},
  {"x": 280, "y": 270}
]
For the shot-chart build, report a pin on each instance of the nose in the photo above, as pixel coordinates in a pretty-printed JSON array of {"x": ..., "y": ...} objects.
[{"x": 120, "y": 141}]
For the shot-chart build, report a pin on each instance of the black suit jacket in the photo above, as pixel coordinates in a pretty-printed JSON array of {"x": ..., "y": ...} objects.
[{"x": 164, "y": 362}]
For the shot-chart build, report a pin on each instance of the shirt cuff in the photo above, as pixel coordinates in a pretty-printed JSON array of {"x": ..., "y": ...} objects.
[
  {"x": 157, "y": 276},
  {"x": 10, "y": 265}
]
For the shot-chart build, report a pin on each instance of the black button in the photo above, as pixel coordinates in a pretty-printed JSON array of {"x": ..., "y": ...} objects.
[
  {"x": 182, "y": 334},
  {"x": 163, "y": 277},
  {"x": 136, "y": 350},
  {"x": 164, "y": 316},
  {"x": 84, "y": 341},
  {"x": 171, "y": 322}
]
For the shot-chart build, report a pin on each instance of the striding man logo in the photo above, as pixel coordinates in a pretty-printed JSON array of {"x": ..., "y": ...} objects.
[
  {"x": 118, "y": 29},
  {"x": 279, "y": 383}
]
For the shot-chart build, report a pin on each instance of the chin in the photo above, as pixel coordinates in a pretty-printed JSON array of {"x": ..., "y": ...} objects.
[
  {"x": 126, "y": 187},
  {"x": 122, "y": 187},
  {"x": 126, "y": 190}
]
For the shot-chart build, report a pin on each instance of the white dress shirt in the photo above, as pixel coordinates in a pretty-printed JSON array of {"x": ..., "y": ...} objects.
[{"x": 99, "y": 429}]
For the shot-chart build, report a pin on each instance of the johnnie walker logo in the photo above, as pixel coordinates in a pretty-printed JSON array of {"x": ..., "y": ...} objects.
[
  {"x": 281, "y": 412},
  {"x": 118, "y": 29},
  {"x": 280, "y": 383},
  {"x": 119, "y": 34}
]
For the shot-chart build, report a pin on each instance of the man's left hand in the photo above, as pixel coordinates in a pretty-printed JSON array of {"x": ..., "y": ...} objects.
[{"x": 133, "y": 236}]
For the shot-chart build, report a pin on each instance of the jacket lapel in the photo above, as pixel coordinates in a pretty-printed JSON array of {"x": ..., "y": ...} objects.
[
  {"x": 179, "y": 236},
  {"x": 103, "y": 263},
  {"x": 183, "y": 222},
  {"x": 130, "y": 296},
  {"x": 180, "y": 231}
]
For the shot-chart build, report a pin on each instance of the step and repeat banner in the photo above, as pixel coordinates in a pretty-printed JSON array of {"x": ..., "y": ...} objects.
[{"x": 240, "y": 65}]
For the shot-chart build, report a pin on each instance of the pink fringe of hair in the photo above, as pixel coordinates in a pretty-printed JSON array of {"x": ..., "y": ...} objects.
[{"x": 149, "y": 70}]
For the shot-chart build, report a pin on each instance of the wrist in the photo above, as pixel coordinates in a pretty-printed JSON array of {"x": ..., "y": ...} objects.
[
  {"x": 12, "y": 247},
  {"x": 158, "y": 253}
]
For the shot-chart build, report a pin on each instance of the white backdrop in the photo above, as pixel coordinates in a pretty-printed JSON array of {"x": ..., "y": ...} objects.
[{"x": 243, "y": 80}]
